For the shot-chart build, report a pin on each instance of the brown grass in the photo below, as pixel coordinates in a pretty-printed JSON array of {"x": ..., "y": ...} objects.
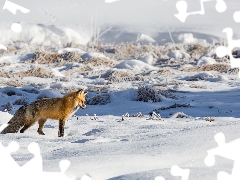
[
  {"x": 198, "y": 49},
  {"x": 209, "y": 67},
  {"x": 117, "y": 76},
  {"x": 36, "y": 72},
  {"x": 99, "y": 61},
  {"x": 47, "y": 57}
]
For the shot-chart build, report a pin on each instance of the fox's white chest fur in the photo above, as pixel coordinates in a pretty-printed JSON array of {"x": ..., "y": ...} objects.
[{"x": 74, "y": 110}]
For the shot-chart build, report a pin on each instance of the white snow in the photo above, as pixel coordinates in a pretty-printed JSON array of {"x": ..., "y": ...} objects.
[
  {"x": 135, "y": 65},
  {"x": 148, "y": 59},
  {"x": 145, "y": 39},
  {"x": 87, "y": 56},
  {"x": 178, "y": 54},
  {"x": 187, "y": 38},
  {"x": 206, "y": 60}
]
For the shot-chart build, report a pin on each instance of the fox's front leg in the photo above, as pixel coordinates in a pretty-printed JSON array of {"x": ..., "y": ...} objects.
[{"x": 61, "y": 128}]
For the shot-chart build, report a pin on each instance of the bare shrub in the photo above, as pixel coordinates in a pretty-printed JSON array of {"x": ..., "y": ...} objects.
[
  {"x": 99, "y": 99},
  {"x": 148, "y": 93}
]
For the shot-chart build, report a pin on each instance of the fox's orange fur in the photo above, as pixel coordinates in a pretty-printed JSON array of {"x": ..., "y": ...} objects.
[{"x": 47, "y": 108}]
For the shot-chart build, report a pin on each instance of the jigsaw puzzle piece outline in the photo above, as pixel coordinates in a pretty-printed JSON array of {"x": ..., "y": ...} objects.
[
  {"x": 182, "y": 7},
  {"x": 236, "y": 16},
  {"x": 111, "y": 1},
  {"x": 222, "y": 51},
  {"x": 9, "y": 164},
  {"x": 229, "y": 151},
  {"x": 12, "y": 7},
  {"x": 35, "y": 164},
  {"x": 221, "y": 6},
  {"x": 159, "y": 178},
  {"x": 177, "y": 171}
]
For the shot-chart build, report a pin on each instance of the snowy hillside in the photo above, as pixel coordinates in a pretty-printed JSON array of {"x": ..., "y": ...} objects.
[{"x": 157, "y": 90}]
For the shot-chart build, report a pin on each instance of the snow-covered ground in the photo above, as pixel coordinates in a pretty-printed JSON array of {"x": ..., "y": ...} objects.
[{"x": 116, "y": 51}]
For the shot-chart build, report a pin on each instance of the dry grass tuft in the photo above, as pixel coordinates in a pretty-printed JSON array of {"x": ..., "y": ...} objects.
[
  {"x": 47, "y": 57},
  {"x": 116, "y": 76},
  {"x": 99, "y": 61},
  {"x": 209, "y": 67},
  {"x": 36, "y": 72},
  {"x": 197, "y": 49},
  {"x": 4, "y": 74}
]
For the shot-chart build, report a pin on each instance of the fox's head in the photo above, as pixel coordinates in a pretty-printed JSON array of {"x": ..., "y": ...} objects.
[{"x": 81, "y": 98}]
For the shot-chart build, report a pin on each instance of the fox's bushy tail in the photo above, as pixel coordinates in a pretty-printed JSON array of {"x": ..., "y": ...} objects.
[{"x": 16, "y": 122}]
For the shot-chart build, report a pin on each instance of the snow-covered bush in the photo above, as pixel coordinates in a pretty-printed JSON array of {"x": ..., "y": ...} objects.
[
  {"x": 7, "y": 107},
  {"x": 99, "y": 99},
  {"x": 22, "y": 101},
  {"x": 148, "y": 93},
  {"x": 49, "y": 94},
  {"x": 10, "y": 91},
  {"x": 31, "y": 89},
  {"x": 179, "y": 115}
]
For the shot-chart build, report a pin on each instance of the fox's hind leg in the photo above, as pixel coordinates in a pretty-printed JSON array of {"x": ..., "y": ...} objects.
[
  {"x": 27, "y": 125},
  {"x": 41, "y": 123}
]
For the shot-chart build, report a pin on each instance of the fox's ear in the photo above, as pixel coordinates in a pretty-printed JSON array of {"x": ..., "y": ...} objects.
[{"x": 81, "y": 91}]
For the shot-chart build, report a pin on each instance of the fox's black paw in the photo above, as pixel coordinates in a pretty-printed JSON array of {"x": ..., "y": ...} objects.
[{"x": 40, "y": 132}]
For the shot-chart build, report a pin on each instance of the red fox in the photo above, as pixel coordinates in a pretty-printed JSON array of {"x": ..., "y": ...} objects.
[{"x": 42, "y": 109}]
